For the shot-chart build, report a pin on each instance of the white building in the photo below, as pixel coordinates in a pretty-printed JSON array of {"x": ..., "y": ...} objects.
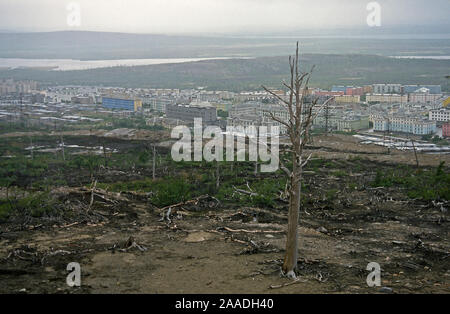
[
  {"x": 257, "y": 114},
  {"x": 411, "y": 125},
  {"x": 423, "y": 96},
  {"x": 440, "y": 115},
  {"x": 387, "y": 98},
  {"x": 387, "y": 88}
]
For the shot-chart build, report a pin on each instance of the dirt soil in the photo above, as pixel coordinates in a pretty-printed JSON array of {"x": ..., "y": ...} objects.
[{"x": 234, "y": 249}]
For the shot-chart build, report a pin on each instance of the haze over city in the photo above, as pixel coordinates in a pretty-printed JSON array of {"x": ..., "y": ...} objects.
[{"x": 220, "y": 16}]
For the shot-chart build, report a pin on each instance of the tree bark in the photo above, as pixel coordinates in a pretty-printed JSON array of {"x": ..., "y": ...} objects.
[{"x": 291, "y": 256}]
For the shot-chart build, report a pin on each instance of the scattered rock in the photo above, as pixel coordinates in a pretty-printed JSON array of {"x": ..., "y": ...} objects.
[{"x": 322, "y": 230}]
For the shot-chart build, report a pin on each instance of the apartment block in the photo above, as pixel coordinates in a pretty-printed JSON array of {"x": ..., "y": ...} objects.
[
  {"x": 440, "y": 115},
  {"x": 387, "y": 88},
  {"x": 411, "y": 125},
  {"x": 387, "y": 98},
  {"x": 347, "y": 99},
  {"x": 446, "y": 130},
  {"x": 433, "y": 89},
  {"x": 353, "y": 123}
]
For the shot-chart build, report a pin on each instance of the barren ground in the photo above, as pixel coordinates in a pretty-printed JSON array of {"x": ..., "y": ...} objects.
[{"x": 221, "y": 249}]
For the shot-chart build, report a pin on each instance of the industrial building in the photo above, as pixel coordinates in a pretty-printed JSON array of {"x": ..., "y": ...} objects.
[
  {"x": 188, "y": 113},
  {"x": 122, "y": 103}
]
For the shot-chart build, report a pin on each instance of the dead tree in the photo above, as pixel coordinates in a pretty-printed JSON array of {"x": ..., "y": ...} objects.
[
  {"x": 415, "y": 154},
  {"x": 154, "y": 163},
  {"x": 298, "y": 126},
  {"x": 105, "y": 157},
  {"x": 31, "y": 148},
  {"x": 327, "y": 116},
  {"x": 62, "y": 147},
  {"x": 217, "y": 175}
]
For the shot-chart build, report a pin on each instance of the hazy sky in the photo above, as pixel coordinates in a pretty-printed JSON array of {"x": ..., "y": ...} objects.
[{"x": 215, "y": 16}]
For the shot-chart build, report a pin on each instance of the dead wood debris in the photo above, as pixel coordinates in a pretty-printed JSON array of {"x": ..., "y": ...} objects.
[
  {"x": 248, "y": 231},
  {"x": 30, "y": 254},
  {"x": 182, "y": 208},
  {"x": 127, "y": 246},
  {"x": 296, "y": 281},
  {"x": 258, "y": 247},
  {"x": 204, "y": 201}
]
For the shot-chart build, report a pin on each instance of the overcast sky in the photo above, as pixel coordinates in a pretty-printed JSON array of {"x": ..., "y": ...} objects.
[{"x": 215, "y": 16}]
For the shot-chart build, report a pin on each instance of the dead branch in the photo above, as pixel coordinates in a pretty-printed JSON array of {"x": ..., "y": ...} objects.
[
  {"x": 92, "y": 195},
  {"x": 252, "y": 194},
  {"x": 288, "y": 284},
  {"x": 194, "y": 201},
  {"x": 130, "y": 244},
  {"x": 248, "y": 231}
]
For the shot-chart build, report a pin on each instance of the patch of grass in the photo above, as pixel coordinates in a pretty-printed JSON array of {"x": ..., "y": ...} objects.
[
  {"x": 170, "y": 192},
  {"x": 166, "y": 191},
  {"x": 5, "y": 210},
  {"x": 331, "y": 195},
  {"x": 36, "y": 205},
  {"x": 339, "y": 173},
  {"x": 426, "y": 185}
]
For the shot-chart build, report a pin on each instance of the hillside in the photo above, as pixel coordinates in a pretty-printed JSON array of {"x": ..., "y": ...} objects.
[
  {"x": 99, "y": 45},
  {"x": 248, "y": 74}
]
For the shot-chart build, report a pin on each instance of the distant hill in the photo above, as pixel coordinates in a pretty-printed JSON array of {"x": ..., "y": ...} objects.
[
  {"x": 249, "y": 74},
  {"x": 101, "y": 45}
]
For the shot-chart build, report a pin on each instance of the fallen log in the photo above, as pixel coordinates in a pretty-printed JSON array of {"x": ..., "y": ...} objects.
[
  {"x": 249, "y": 231},
  {"x": 288, "y": 284},
  {"x": 194, "y": 201}
]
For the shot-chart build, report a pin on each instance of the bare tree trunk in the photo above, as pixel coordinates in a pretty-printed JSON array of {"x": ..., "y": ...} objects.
[
  {"x": 154, "y": 163},
  {"x": 62, "y": 145},
  {"x": 217, "y": 175},
  {"x": 31, "y": 148},
  {"x": 291, "y": 256},
  {"x": 298, "y": 125},
  {"x": 104, "y": 154},
  {"x": 415, "y": 154}
]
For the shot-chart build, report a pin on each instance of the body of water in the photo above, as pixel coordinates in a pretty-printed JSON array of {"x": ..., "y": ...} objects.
[{"x": 70, "y": 64}]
